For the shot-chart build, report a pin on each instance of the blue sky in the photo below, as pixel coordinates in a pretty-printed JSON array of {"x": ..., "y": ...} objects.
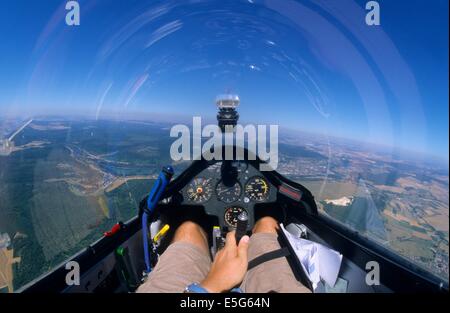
[{"x": 313, "y": 66}]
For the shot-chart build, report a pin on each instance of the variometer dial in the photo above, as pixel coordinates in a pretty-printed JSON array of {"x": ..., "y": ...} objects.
[
  {"x": 257, "y": 189},
  {"x": 199, "y": 190}
]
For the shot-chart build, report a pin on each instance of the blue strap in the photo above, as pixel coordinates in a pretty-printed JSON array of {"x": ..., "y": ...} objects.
[{"x": 155, "y": 194}]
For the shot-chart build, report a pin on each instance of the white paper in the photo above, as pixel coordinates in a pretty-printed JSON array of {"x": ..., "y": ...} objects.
[{"x": 318, "y": 261}]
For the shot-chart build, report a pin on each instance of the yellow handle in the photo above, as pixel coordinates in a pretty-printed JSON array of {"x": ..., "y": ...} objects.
[{"x": 161, "y": 233}]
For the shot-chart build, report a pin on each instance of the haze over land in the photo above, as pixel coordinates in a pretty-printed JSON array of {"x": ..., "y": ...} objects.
[{"x": 60, "y": 195}]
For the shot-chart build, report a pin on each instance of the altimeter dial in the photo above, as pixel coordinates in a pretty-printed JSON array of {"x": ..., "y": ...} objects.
[{"x": 227, "y": 193}]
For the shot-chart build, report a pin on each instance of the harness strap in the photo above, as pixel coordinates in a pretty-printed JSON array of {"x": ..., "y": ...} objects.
[{"x": 275, "y": 254}]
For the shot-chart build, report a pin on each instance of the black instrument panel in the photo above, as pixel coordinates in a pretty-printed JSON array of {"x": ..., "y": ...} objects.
[{"x": 225, "y": 190}]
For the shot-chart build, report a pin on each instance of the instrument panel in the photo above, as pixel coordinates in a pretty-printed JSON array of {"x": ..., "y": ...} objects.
[{"x": 226, "y": 196}]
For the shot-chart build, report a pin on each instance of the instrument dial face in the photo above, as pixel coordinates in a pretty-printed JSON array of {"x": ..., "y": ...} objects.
[
  {"x": 199, "y": 190},
  {"x": 257, "y": 189},
  {"x": 231, "y": 215},
  {"x": 228, "y": 194}
]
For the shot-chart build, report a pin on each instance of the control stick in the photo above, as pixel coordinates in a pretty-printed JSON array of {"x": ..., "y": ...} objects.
[{"x": 241, "y": 226}]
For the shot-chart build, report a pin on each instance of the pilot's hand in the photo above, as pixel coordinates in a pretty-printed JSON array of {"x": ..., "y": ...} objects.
[{"x": 229, "y": 266}]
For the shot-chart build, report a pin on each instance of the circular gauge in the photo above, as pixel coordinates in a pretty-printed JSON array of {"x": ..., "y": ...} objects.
[
  {"x": 199, "y": 190},
  {"x": 228, "y": 194},
  {"x": 231, "y": 215},
  {"x": 257, "y": 189}
]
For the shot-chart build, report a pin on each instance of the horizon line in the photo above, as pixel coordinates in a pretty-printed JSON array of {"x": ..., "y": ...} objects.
[{"x": 146, "y": 116}]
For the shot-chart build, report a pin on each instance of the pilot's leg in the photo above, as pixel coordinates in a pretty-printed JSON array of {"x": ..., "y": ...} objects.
[
  {"x": 185, "y": 261},
  {"x": 272, "y": 276}
]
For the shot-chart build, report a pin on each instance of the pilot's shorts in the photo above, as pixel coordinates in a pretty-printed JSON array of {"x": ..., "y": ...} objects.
[{"x": 183, "y": 263}]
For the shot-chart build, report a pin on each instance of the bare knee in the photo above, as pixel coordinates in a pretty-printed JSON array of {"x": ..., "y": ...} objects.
[
  {"x": 266, "y": 224},
  {"x": 192, "y": 233}
]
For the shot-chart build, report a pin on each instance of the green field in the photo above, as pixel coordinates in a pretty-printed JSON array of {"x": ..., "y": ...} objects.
[{"x": 54, "y": 203}]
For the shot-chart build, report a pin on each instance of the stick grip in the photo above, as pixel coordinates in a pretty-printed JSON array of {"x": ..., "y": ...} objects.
[{"x": 241, "y": 226}]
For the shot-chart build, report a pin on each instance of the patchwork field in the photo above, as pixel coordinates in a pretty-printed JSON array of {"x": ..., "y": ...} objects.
[
  {"x": 7, "y": 260},
  {"x": 69, "y": 181}
]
